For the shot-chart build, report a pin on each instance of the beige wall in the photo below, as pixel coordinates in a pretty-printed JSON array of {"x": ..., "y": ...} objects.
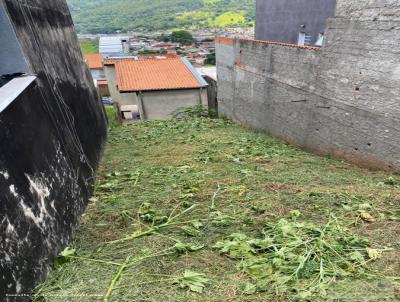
[
  {"x": 109, "y": 72},
  {"x": 159, "y": 105},
  {"x": 120, "y": 98}
]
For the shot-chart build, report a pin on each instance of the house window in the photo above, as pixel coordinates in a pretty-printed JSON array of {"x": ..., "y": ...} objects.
[
  {"x": 304, "y": 39},
  {"x": 308, "y": 39}
]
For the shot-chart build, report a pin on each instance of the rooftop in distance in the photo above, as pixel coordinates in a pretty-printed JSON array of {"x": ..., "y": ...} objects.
[{"x": 94, "y": 61}]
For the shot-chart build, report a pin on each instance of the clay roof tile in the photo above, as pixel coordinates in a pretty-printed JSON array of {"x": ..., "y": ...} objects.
[
  {"x": 94, "y": 61},
  {"x": 154, "y": 74}
]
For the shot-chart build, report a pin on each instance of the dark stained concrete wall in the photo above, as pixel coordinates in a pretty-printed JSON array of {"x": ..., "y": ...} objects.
[
  {"x": 343, "y": 100},
  {"x": 51, "y": 141},
  {"x": 42, "y": 193},
  {"x": 281, "y": 20}
]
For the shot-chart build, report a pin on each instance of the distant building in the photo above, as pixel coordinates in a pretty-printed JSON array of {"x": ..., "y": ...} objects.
[
  {"x": 155, "y": 88},
  {"x": 167, "y": 55},
  {"x": 300, "y": 22},
  {"x": 111, "y": 77},
  {"x": 114, "y": 46},
  {"x": 209, "y": 45},
  {"x": 95, "y": 64},
  {"x": 165, "y": 45},
  {"x": 203, "y": 35}
]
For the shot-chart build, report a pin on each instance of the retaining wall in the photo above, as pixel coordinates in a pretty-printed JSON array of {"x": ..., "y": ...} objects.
[{"x": 51, "y": 140}]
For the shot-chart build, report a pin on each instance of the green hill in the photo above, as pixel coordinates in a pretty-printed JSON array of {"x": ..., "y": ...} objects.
[{"x": 108, "y": 16}]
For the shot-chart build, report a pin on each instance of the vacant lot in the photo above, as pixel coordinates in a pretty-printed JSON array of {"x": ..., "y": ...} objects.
[{"x": 204, "y": 210}]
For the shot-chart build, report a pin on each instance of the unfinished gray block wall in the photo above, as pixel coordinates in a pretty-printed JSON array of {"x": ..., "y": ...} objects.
[
  {"x": 369, "y": 10},
  {"x": 342, "y": 100}
]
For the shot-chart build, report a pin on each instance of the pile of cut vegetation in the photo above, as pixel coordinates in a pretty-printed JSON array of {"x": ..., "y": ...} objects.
[{"x": 300, "y": 257}]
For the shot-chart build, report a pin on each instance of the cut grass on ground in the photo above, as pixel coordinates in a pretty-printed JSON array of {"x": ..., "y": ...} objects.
[{"x": 205, "y": 210}]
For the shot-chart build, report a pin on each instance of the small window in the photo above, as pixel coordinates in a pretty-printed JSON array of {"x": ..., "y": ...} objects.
[
  {"x": 305, "y": 39},
  {"x": 308, "y": 39}
]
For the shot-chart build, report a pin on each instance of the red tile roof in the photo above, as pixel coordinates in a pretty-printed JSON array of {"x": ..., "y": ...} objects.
[
  {"x": 153, "y": 55},
  {"x": 154, "y": 74},
  {"x": 113, "y": 61},
  {"x": 94, "y": 61}
]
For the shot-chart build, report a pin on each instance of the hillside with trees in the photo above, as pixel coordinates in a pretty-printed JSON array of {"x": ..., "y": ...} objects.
[{"x": 109, "y": 16}]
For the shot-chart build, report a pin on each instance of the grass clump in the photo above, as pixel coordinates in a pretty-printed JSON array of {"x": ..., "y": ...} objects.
[
  {"x": 111, "y": 117},
  {"x": 196, "y": 111}
]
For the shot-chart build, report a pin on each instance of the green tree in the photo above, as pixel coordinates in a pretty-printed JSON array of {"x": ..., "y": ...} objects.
[
  {"x": 182, "y": 36},
  {"x": 109, "y": 16},
  {"x": 210, "y": 60},
  {"x": 165, "y": 38}
]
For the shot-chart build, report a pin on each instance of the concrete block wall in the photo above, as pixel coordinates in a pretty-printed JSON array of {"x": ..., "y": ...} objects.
[
  {"x": 342, "y": 100},
  {"x": 369, "y": 9}
]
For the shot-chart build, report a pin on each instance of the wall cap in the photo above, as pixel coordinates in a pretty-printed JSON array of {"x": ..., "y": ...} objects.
[
  {"x": 10, "y": 91},
  {"x": 230, "y": 41}
]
